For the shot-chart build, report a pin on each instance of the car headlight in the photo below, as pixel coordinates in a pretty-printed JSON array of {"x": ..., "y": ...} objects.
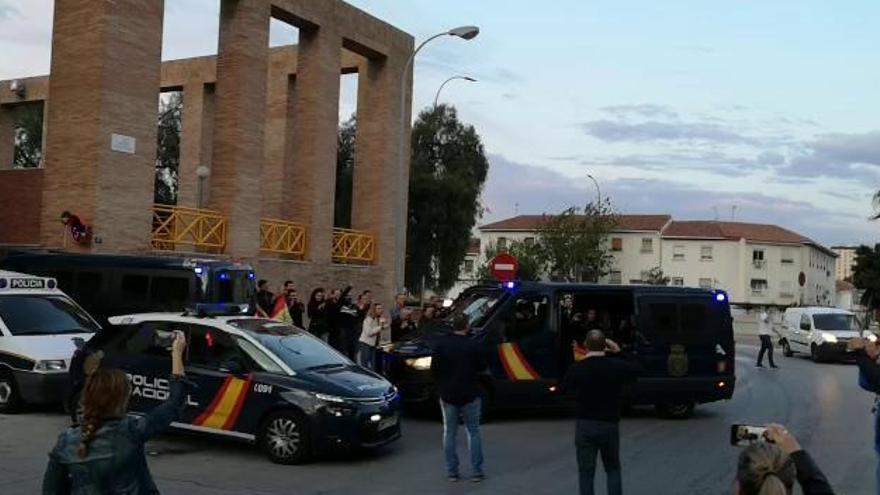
[
  {"x": 51, "y": 365},
  {"x": 422, "y": 363},
  {"x": 829, "y": 337},
  {"x": 330, "y": 398}
]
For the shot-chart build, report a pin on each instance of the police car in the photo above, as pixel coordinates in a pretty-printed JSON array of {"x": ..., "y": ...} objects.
[
  {"x": 38, "y": 327},
  {"x": 256, "y": 379}
]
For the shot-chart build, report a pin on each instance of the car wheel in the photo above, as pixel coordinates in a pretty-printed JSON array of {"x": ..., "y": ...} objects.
[
  {"x": 786, "y": 349},
  {"x": 676, "y": 410},
  {"x": 10, "y": 401},
  {"x": 284, "y": 438},
  {"x": 814, "y": 353}
]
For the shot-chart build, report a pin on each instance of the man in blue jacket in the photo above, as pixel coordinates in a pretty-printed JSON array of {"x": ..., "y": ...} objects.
[{"x": 867, "y": 354}]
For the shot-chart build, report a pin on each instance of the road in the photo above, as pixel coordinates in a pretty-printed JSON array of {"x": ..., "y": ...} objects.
[{"x": 526, "y": 453}]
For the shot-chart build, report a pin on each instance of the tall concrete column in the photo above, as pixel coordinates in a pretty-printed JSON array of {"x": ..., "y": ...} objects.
[
  {"x": 7, "y": 136},
  {"x": 279, "y": 118},
  {"x": 239, "y": 118},
  {"x": 376, "y": 173},
  {"x": 105, "y": 82},
  {"x": 310, "y": 174},
  {"x": 197, "y": 123}
]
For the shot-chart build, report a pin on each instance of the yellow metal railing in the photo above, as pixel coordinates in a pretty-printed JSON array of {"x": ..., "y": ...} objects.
[
  {"x": 282, "y": 237},
  {"x": 175, "y": 226},
  {"x": 352, "y": 246}
]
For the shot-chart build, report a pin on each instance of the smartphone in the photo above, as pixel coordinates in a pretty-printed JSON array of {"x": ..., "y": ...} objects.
[
  {"x": 745, "y": 435},
  {"x": 163, "y": 339}
]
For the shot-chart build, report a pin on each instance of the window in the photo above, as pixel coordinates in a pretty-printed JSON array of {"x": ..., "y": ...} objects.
[
  {"x": 678, "y": 253},
  {"x": 502, "y": 244},
  {"x": 529, "y": 241},
  {"x": 615, "y": 277},
  {"x": 140, "y": 339},
  {"x": 758, "y": 258},
  {"x": 468, "y": 266},
  {"x": 806, "y": 322},
  {"x": 88, "y": 288},
  {"x": 677, "y": 282},
  {"x": 706, "y": 283},
  {"x": 787, "y": 256},
  {"x": 706, "y": 253},
  {"x": 134, "y": 287},
  {"x": 169, "y": 293},
  {"x": 43, "y": 315},
  {"x": 758, "y": 285},
  {"x": 529, "y": 318},
  {"x": 617, "y": 244},
  {"x": 212, "y": 348},
  {"x": 263, "y": 361},
  {"x": 647, "y": 245}
]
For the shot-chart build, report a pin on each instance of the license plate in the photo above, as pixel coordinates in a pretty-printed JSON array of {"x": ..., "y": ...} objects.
[{"x": 388, "y": 423}]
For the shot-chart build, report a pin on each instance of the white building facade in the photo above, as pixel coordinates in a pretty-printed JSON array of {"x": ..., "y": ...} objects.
[
  {"x": 756, "y": 264},
  {"x": 846, "y": 261}
]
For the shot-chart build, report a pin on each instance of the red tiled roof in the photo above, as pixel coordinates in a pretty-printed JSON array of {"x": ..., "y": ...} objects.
[
  {"x": 734, "y": 231},
  {"x": 625, "y": 222}
]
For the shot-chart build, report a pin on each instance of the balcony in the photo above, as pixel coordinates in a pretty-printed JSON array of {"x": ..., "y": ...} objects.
[
  {"x": 283, "y": 237},
  {"x": 177, "y": 226},
  {"x": 353, "y": 247},
  {"x": 758, "y": 264}
]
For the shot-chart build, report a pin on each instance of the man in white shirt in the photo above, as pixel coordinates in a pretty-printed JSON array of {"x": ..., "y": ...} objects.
[{"x": 765, "y": 328}]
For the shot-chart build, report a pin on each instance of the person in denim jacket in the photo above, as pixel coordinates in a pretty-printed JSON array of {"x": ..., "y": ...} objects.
[{"x": 105, "y": 453}]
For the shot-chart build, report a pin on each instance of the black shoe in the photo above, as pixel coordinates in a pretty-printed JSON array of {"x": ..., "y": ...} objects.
[
  {"x": 452, "y": 478},
  {"x": 774, "y": 366},
  {"x": 478, "y": 478},
  {"x": 759, "y": 365}
]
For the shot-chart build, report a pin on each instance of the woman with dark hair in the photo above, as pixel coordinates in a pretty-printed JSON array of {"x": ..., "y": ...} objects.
[
  {"x": 319, "y": 314},
  {"x": 105, "y": 453},
  {"x": 773, "y": 466}
]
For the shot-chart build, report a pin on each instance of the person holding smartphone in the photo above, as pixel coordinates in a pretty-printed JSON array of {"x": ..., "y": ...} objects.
[
  {"x": 867, "y": 354},
  {"x": 105, "y": 453},
  {"x": 770, "y": 467},
  {"x": 371, "y": 335}
]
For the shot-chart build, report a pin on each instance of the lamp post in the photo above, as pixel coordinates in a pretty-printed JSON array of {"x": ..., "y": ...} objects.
[
  {"x": 598, "y": 191},
  {"x": 465, "y": 33},
  {"x": 465, "y": 78},
  {"x": 202, "y": 172}
]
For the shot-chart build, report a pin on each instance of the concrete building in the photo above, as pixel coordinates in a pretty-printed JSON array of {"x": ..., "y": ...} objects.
[
  {"x": 756, "y": 264},
  {"x": 262, "y": 124},
  {"x": 846, "y": 261}
]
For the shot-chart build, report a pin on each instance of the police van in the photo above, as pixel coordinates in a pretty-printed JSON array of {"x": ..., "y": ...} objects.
[
  {"x": 39, "y": 326},
  {"x": 255, "y": 379},
  {"x": 682, "y": 337}
]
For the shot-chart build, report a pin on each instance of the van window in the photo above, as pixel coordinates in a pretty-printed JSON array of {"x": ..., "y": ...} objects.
[
  {"x": 692, "y": 322},
  {"x": 530, "y": 317},
  {"x": 834, "y": 321},
  {"x": 43, "y": 315},
  {"x": 134, "y": 287},
  {"x": 88, "y": 288},
  {"x": 169, "y": 293},
  {"x": 805, "y": 321}
]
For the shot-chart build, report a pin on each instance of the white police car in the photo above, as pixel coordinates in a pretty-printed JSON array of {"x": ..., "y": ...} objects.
[
  {"x": 256, "y": 379},
  {"x": 38, "y": 325}
]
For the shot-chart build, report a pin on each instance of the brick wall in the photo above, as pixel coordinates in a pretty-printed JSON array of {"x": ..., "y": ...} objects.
[{"x": 21, "y": 197}]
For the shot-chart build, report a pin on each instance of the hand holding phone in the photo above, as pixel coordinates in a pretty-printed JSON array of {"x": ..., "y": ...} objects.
[{"x": 780, "y": 436}]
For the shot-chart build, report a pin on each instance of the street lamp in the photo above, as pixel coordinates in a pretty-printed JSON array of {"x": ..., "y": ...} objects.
[
  {"x": 202, "y": 172},
  {"x": 466, "y": 78},
  {"x": 598, "y": 191},
  {"x": 465, "y": 33}
]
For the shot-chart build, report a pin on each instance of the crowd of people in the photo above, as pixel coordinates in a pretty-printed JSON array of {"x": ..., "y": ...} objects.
[{"x": 352, "y": 323}]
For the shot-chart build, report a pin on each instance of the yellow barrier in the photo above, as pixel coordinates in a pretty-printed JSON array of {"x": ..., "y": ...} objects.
[
  {"x": 180, "y": 226},
  {"x": 282, "y": 237},
  {"x": 352, "y": 246}
]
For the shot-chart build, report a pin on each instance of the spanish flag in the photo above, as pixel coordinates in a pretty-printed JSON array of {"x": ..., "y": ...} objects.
[
  {"x": 515, "y": 365},
  {"x": 280, "y": 311}
]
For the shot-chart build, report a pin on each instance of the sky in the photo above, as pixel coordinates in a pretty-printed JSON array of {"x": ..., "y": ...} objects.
[{"x": 754, "y": 110}]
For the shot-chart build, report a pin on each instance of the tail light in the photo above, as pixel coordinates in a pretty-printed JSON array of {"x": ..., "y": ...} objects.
[{"x": 722, "y": 367}]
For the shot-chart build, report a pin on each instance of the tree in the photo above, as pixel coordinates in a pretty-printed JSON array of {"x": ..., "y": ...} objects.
[
  {"x": 447, "y": 173},
  {"x": 344, "y": 173},
  {"x": 656, "y": 277},
  {"x": 168, "y": 148},
  {"x": 866, "y": 275},
  {"x": 530, "y": 257},
  {"x": 574, "y": 244},
  {"x": 28, "y": 136}
]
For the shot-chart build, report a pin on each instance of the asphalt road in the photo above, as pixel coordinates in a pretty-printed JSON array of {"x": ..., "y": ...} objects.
[{"x": 526, "y": 453}]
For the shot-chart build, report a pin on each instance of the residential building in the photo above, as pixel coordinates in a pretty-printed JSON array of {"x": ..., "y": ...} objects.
[
  {"x": 846, "y": 261},
  {"x": 757, "y": 264}
]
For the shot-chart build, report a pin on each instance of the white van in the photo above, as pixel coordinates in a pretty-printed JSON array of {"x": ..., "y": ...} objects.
[
  {"x": 823, "y": 333},
  {"x": 38, "y": 325}
]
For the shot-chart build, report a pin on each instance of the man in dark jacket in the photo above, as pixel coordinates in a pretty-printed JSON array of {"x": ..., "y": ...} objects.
[
  {"x": 456, "y": 364},
  {"x": 265, "y": 299},
  {"x": 866, "y": 354},
  {"x": 597, "y": 382}
]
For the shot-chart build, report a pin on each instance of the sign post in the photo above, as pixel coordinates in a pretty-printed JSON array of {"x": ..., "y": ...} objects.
[{"x": 504, "y": 267}]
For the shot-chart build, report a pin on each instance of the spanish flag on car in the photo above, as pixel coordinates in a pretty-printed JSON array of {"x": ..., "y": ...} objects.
[{"x": 280, "y": 311}]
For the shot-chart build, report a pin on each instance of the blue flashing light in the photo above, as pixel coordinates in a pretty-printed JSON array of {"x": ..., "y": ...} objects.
[
  {"x": 252, "y": 275},
  {"x": 511, "y": 285},
  {"x": 720, "y": 297},
  {"x": 224, "y": 276},
  {"x": 199, "y": 270}
]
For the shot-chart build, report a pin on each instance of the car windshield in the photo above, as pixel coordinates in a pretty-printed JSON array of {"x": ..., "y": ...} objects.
[
  {"x": 298, "y": 349},
  {"x": 476, "y": 306},
  {"x": 834, "y": 321},
  {"x": 43, "y": 315}
]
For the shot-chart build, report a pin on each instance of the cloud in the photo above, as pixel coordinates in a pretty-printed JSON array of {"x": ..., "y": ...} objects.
[
  {"x": 847, "y": 156},
  {"x": 524, "y": 188},
  {"x": 642, "y": 110},
  {"x": 653, "y": 131},
  {"x": 8, "y": 11},
  {"x": 770, "y": 158}
]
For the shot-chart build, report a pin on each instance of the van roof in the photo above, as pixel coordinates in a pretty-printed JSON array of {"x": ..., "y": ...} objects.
[
  {"x": 818, "y": 310},
  {"x": 573, "y": 286},
  {"x": 10, "y": 274}
]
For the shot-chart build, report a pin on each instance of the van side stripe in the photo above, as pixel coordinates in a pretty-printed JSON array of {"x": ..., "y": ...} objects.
[
  {"x": 213, "y": 405},
  {"x": 515, "y": 365},
  {"x": 525, "y": 363}
]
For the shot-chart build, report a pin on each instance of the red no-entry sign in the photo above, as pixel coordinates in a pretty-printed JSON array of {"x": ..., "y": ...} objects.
[{"x": 504, "y": 267}]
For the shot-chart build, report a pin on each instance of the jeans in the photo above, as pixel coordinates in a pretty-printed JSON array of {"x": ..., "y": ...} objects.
[
  {"x": 766, "y": 346},
  {"x": 877, "y": 444},
  {"x": 592, "y": 437},
  {"x": 366, "y": 356},
  {"x": 470, "y": 413}
]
